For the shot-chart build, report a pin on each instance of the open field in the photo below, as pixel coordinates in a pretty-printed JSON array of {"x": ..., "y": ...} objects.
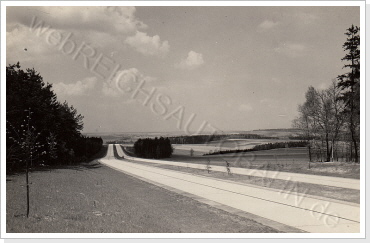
[
  {"x": 226, "y": 144},
  {"x": 286, "y": 159},
  {"x": 290, "y": 156},
  {"x": 283, "y": 134}
]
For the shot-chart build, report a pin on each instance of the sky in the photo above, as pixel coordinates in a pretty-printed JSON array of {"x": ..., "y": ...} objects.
[{"x": 164, "y": 69}]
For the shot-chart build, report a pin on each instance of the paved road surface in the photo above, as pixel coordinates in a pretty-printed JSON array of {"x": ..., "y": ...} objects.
[
  {"x": 303, "y": 213},
  {"x": 312, "y": 179}
]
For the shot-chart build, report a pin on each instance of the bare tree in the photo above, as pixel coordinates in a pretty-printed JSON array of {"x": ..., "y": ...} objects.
[
  {"x": 337, "y": 119},
  {"x": 26, "y": 137},
  {"x": 307, "y": 119},
  {"x": 320, "y": 117}
]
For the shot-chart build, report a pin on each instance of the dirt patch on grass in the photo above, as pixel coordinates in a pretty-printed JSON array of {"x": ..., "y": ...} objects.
[{"x": 96, "y": 199}]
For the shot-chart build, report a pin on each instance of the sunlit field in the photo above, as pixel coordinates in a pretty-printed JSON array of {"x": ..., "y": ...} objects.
[{"x": 228, "y": 144}]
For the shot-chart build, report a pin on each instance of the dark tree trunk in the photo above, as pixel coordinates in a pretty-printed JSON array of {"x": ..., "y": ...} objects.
[
  {"x": 353, "y": 129},
  {"x": 28, "y": 190},
  {"x": 355, "y": 145},
  {"x": 327, "y": 147}
]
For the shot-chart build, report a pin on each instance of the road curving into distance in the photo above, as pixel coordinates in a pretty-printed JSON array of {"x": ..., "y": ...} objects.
[{"x": 300, "y": 212}]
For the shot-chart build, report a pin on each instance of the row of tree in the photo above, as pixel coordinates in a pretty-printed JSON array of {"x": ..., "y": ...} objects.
[
  {"x": 153, "y": 148},
  {"x": 40, "y": 129},
  {"x": 267, "y": 146},
  {"x": 202, "y": 139},
  {"x": 330, "y": 118}
]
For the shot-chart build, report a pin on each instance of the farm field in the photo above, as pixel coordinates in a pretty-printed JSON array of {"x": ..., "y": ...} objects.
[
  {"x": 227, "y": 144},
  {"x": 284, "y": 159},
  {"x": 280, "y": 134},
  {"x": 274, "y": 156},
  {"x": 275, "y": 132}
]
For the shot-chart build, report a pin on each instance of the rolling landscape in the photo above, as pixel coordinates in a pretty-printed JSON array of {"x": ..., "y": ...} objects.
[{"x": 136, "y": 122}]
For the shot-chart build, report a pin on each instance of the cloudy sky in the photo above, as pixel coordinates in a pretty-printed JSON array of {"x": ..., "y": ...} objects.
[{"x": 143, "y": 69}]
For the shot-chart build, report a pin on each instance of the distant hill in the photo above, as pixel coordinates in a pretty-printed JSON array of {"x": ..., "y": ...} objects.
[{"x": 131, "y": 137}]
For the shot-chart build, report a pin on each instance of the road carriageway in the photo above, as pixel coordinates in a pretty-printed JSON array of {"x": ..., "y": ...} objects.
[
  {"x": 295, "y": 177},
  {"x": 278, "y": 208}
]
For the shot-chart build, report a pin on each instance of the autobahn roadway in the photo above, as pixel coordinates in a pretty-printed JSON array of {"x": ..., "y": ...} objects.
[
  {"x": 296, "y": 177},
  {"x": 276, "y": 208}
]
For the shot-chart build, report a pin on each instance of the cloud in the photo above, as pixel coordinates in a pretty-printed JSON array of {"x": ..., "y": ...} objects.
[
  {"x": 245, "y": 107},
  {"x": 267, "y": 24},
  {"x": 124, "y": 83},
  {"x": 193, "y": 60},
  {"x": 98, "y": 39},
  {"x": 98, "y": 26},
  {"x": 148, "y": 45},
  {"x": 82, "y": 18},
  {"x": 81, "y": 87},
  {"x": 291, "y": 49},
  {"x": 106, "y": 28},
  {"x": 18, "y": 38}
]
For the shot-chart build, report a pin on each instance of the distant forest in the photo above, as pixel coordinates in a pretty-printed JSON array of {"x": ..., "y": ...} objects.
[
  {"x": 153, "y": 148},
  {"x": 202, "y": 139}
]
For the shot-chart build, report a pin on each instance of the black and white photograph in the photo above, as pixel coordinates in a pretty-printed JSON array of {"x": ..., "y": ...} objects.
[{"x": 198, "y": 119}]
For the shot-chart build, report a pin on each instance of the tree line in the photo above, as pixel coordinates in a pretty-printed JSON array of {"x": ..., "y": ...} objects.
[
  {"x": 41, "y": 130},
  {"x": 202, "y": 139},
  {"x": 330, "y": 118},
  {"x": 153, "y": 148},
  {"x": 267, "y": 146}
]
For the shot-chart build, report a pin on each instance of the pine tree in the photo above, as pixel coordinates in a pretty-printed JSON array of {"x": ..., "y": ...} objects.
[{"x": 350, "y": 84}]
